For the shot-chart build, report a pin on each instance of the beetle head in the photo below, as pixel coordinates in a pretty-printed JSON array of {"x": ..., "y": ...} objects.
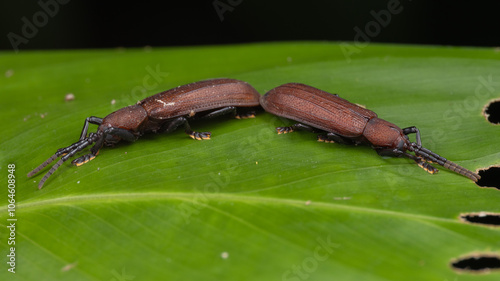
[
  {"x": 403, "y": 143},
  {"x": 111, "y": 140}
]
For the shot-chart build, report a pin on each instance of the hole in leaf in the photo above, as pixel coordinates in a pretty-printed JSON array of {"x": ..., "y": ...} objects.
[
  {"x": 485, "y": 218},
  {"x": 477, "y": 263},
  {"x": 492, "y": 112},
  {"x": 490, "y": 177}
]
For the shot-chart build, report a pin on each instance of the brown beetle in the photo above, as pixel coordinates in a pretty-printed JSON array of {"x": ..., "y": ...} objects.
[
  {"x": 161, "y": 113},
  {"x": 341, "y": 121}
]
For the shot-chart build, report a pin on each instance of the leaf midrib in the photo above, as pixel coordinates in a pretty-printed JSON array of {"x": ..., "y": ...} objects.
[{"x": 229, "y": 197}]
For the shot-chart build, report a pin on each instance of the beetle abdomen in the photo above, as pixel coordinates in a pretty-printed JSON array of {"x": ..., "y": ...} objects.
[
  {"x": 200, "y": 96},
  {"x": 317, "y": 108}
]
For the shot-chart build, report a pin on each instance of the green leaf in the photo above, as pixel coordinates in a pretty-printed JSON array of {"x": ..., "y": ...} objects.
[{"x": 248, "y": 204}]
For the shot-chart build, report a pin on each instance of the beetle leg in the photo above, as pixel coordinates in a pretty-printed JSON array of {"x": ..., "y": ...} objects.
[
  {"x": 324, "y": 138},
  {"x": 171, "y": 125},
  {"x": 413, "y": 130},
  {"x": 245, "y": 115},
  {"x": 295, "y": 127},
  {"x": 84, "y": 159},
  {"x": 419, "y": 160},
  {"x": 220, "y": 111},
  {"x": 122, "y": 134},
  {"x": 422, "y": 164},
  {"x": 175, "y": 123},
  {"x": 64, "y": 151},
  {"x": 332, "y": 137},
  {"x": 199, "y": 135},
  {"x": 99, "y": 141},
  {"x": 440, "y": 160},
  {"x": 91, "y": 120},
  {"x": 389, "y": 152},
  {"x": 196, "y": 135},
  {"x": 229, "y": 110},
  {"x": 245, "y": 112}
]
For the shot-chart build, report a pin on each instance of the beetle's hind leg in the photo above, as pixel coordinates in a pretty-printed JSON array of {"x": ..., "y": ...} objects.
[
  {"x": 328, "y": 137},
  {"x": 332, "y": 137},
  {"x": 245, "y": 112},
  {"x": 245, "y": 115},
  {"x": 295, "y": 127},
  {"x": 219, "y": 112},
  {"x": 238, "y": 114},
  {"x": 182, "y": 121}
]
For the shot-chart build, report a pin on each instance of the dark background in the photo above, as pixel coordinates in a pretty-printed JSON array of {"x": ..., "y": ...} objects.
[{"x": 111, "y": 24}]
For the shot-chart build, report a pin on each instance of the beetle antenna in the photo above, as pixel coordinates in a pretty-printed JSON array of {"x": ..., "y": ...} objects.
[
  {"x": 50, "y": 172},
  {"x": 43, "y": 165},
  {"x": 432, "y": 157},
  {"x": 66, "y": 153},
  {"x": 60, "y": 152}
]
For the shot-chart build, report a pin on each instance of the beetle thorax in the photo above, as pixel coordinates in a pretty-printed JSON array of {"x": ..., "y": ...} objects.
[
  {"x": 381, "y": 133},
  {"x": 130, "y": 118}
]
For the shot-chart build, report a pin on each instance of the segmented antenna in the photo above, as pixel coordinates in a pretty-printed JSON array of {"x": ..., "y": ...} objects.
[
  {"x": 50, "y": 172},
  {"x": 43, "y": 165},
  {"x": 66, "y": 153},
  {"x": 432, "y": 157}
]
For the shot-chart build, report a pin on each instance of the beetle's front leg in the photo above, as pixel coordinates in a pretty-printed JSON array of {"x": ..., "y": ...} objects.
[
  {"x": 182, "y": 121},
  {"x": 110, "y": 136},
  {"x": 398, "y": 153},
  {"x": 84, "y": 159},
  {"x": 113, "y": 135},
  {"x": 413, "y": 130},
  {"x": 89, "y": 120},
  {"x": 99, "y": 141}
]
